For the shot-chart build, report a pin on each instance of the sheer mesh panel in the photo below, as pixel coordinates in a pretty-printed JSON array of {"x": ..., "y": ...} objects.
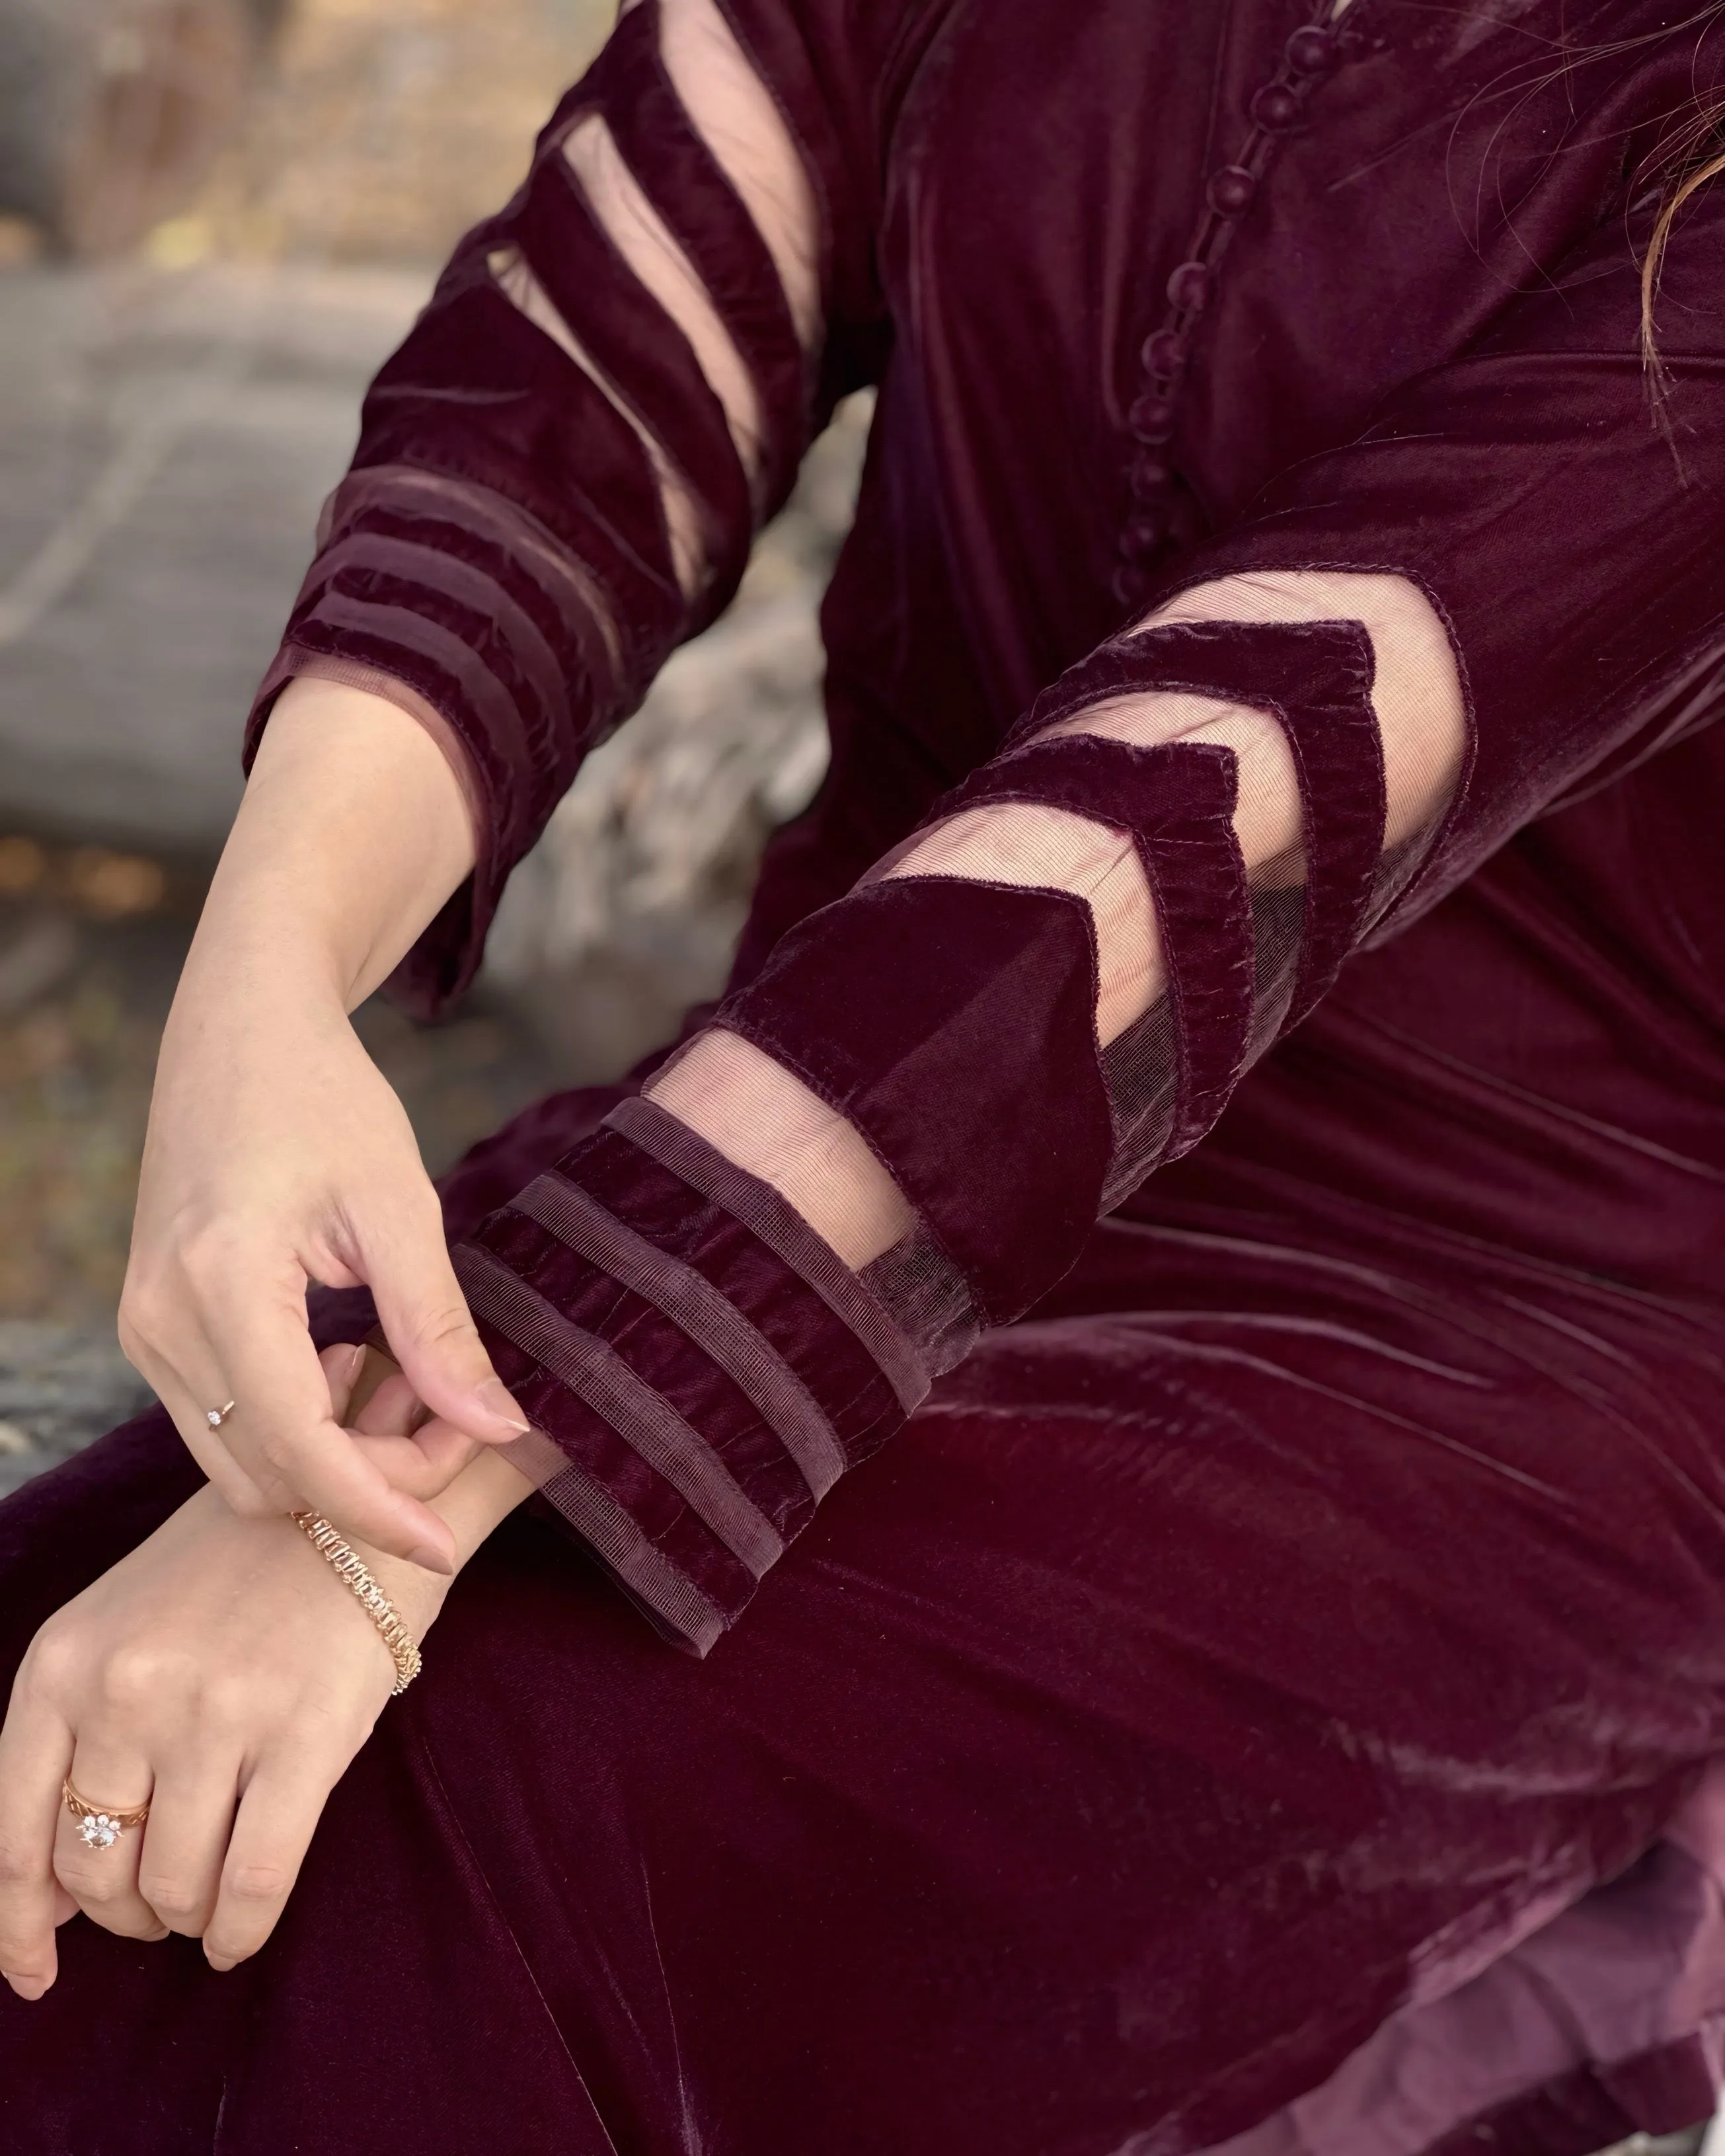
[
  {"x": 515, "y": 279},
  {"x": 768, "y": 1121},
  {"x": 765, "y": 1119},
  {"x": 739, "y": 120},
  {"x": 646, "y": 242},
  {"x": 741, "y": 125}
]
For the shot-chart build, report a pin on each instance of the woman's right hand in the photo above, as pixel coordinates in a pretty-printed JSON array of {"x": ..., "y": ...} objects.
[{"x": 278, "y": 1155}]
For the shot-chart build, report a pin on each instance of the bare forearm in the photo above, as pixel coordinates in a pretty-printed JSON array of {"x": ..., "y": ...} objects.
[
  {"x": 352, "y": 833},
  {"x": 277, "y": 1155}
]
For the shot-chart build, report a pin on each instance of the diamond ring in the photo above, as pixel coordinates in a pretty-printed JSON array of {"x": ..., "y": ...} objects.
[
  {"x": 98, "y": 1828},
  {"x": 215, "y": 1416}
]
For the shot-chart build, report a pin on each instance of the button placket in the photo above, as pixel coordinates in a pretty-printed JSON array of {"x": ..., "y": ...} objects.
[{"x": 1275, "y": 110}]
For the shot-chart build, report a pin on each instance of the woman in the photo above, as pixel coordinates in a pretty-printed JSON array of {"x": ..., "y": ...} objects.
[{"x": 1263, "y": 1691}]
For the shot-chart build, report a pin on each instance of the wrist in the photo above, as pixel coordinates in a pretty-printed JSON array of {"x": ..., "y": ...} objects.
[
  {"x": 353, "y": 832},
  {"x": 481, "y": 1496}
]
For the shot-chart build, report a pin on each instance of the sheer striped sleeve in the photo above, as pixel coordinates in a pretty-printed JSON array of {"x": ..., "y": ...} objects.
[
  {"x": 559, "y": 473},
  {"x": 902, "y": 1129}
]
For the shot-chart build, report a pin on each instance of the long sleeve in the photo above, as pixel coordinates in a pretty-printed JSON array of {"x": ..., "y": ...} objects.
[
  {"x": 559, "y": 473},
  {"x": 901, "y": 1131}
]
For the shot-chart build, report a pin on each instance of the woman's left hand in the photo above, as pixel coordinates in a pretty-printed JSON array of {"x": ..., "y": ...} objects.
[{"x": 224, "y": 1675}]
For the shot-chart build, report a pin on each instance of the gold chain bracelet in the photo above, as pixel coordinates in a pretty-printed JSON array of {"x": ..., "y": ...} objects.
[{"x": 351, "y": 1568}]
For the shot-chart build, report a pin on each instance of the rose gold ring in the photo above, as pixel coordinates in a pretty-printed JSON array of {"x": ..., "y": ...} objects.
[
  {"x": 215, "y": 1416},
  {"x": 98, "y": 1828}
]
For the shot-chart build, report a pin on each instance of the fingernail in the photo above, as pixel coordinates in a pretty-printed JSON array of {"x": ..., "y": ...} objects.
[
  {"x": 355, "y": 1357},
  {"x": 28, "y": 1986},
  {"x": 433, "y": 1559},
  {"x": 494, "y": 1397}
]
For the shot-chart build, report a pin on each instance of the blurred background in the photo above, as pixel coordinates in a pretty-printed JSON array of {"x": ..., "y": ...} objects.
[{"x": 217, "y": 217}]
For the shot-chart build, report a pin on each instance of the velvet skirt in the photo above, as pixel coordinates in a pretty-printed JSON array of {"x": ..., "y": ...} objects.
[{"x": 1266, "y": 1697}]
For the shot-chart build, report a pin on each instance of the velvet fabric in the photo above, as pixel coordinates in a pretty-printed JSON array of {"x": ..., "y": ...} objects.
[
  {"x": 682, "y": 1369},
  {"x": 1317, "y": 1597},
  {"x": 1177, "y": 803},
  {"x": 1315, "y": 680},
  {"x": 880, "y": 1005}
]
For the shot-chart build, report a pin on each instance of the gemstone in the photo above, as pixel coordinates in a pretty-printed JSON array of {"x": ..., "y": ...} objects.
[
  {"x": 97, "y": 1830},
  {"x": 1165, "y": 353},
  {"x": 1231, "y": 190},
  {"x": 1312, "y": 51},
  {"x": 1190, "y": 287},
  {"x": 1277, "y": 108}
]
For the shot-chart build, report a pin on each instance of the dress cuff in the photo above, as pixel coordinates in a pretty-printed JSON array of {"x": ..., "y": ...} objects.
[{"x": 700, "y": 1372}]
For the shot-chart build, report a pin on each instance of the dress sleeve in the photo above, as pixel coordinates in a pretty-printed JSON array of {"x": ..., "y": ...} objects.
[
  {"x": 902, "y": 1131},
  {"x": 559, "y": 472}
]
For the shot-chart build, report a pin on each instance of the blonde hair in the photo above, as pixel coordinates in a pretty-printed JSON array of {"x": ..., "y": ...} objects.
[{"x": 1705, "y": 129}]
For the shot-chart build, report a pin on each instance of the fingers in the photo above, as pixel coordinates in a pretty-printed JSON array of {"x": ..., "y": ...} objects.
[
  {"x": 342, "y": 1366},
  {"x": 241, "y": 1493},
  {"x": 425, "y": 1318},
  {"x": 35, "y": 1751},
  {"x": 272, "y": 1831},
  {"x": 176, "y": 1390},
  {"x": 283, "y": 1432},
  {"x": 280, "y": 1448},
  {"x": 97, "y": 1864},
  {"x": 179, "y": 1867}
]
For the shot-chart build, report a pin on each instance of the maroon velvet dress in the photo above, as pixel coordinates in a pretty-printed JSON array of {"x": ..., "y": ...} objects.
[{"x": 1262, "y": 1690}]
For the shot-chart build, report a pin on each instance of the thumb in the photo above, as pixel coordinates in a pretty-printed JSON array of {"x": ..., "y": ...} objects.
[{"x": 425, "y": 1320}]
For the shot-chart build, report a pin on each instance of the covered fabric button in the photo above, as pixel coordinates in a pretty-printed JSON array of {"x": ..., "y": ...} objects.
[
  {"x": 1312, "y": 51},
  {"x": 1149, "y": 476},
  {"x": 1165, "y": 353},
  {"x": 1277, "y": 108},
  {"x": 1145, "y": 536},
  {"x": 1151, "y": 418},
  {"x": 1231, "y": 190},
  {"x": 1190, "y": 287}
]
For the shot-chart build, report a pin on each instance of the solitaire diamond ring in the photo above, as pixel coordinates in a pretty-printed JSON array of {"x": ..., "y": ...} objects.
[
  {"x": 215, "y": 1416},
  {"x": 98, "y": 1828}
]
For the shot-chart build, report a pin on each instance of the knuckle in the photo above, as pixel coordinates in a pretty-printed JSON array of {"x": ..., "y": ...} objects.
[
  {"x": 209, "y": 1251},
  {"x": 129, "y": 1677},
  {"x": 142, "y": 1309},
  {"x": 20, "y": 1864},
  {"x": 143, "y": 1679},
  {"x": 178, "y": 1902},
  {"x": 87, "y": 1887},
  {"x": 280, "y": 1448},
  {"x": 258, "y": 1884},
  {"x": 444, "y": 1327},
  {"x": 227, "y": 1699},
  {"x": 50, "y": 1663}
]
